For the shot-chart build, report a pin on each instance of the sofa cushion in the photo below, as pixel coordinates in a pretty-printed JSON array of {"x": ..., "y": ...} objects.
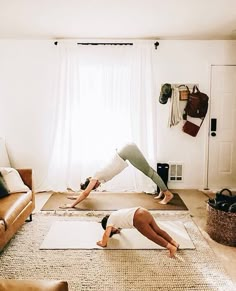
[
  {"x": 12, "y": 205},
  {"x": 13, "y": 180},
  {"x": 4, "y": 191}
]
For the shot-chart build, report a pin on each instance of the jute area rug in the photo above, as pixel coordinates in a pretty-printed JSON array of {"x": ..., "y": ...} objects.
[
  {"x": 113, "y": 201},
  {"x": 120, "y": 270}
]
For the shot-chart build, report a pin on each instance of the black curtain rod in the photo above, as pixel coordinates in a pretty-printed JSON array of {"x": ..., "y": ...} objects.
[
  {"x": 156, "y": 44},
  {"x": 101, "y": 43},
  {"x": 104, "y": 43}
]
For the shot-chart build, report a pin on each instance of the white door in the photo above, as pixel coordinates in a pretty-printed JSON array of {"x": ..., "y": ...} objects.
[{"x": 222, "y": 139}]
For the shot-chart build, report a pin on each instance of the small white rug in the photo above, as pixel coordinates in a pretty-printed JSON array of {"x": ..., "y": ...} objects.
[{"x": 85, "y": 234}]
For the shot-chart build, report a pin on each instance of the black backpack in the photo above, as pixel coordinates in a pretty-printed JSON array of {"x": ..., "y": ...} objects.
[{"x": 197, "y": 104}]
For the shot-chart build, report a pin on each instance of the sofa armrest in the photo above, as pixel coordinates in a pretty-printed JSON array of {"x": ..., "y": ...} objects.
[
  {"x": 29, "y": 285},
  {"x": 27, "y": 177}
]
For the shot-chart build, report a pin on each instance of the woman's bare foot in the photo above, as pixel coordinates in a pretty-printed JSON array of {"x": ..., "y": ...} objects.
[
  {"x": 159, "y": 196},
  {"x": 172, "y": 249},
  {"x": 168, "y": 196}
]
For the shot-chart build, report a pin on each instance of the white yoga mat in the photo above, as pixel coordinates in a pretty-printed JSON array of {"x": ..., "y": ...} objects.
[{"x": 85, "y": 234}]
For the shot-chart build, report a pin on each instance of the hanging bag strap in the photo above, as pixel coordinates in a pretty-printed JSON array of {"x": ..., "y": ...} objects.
[{"x": 195, "y": 89}]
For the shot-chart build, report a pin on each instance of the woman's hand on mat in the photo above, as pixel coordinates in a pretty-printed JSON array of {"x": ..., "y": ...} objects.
[
  {"x": 99, "y": 243},
  {"x": 72, "y": 197},
  {"x": 66, "y": 206}
]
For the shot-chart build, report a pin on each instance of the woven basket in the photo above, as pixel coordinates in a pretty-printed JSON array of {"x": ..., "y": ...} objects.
[
  {"x": 221, "y": 226},
  {"x": 183, "y": 92}
]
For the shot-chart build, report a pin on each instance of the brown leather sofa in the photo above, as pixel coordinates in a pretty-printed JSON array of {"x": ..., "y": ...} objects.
[
  {"x": 33, "y": 285},
  {"x": 15, "y": 209}
]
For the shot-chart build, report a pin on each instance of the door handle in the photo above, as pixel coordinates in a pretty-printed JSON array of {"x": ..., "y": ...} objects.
[{"x": 213, "y": 126}]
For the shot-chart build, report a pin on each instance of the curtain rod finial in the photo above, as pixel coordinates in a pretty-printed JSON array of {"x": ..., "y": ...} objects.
[{"x": 156, "y": 44}]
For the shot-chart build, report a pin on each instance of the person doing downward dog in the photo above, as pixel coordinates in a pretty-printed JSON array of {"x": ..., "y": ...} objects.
[
  {"x": 141, "y": 219},
  {"x": 131, "y": 153}
]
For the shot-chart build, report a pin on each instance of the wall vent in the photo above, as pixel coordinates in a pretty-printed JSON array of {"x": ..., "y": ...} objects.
[{"x": 176, "y": 172}]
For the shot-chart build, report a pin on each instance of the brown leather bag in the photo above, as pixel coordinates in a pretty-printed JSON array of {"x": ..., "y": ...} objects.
[
  {"x": 191, "y": 128},
  {"x": 197, "y": 104}
]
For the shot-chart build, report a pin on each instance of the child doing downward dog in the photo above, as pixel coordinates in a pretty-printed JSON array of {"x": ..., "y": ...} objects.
[{"x": 141, "y": 219}]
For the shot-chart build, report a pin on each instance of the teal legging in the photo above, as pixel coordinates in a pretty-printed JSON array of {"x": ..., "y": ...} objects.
[{"x": 132, "y": 153}]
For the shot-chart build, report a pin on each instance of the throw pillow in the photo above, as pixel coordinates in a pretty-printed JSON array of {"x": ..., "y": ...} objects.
[
  {"x": 13, "y": 180},
  {"x": 4, "y": 191}
]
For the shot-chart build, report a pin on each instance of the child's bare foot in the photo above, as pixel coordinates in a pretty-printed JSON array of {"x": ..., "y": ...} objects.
[
  {"x": 172, "y": 249},
  {"x": 174, "y": 243},
  {"x": 159, "y": 196},
  {"x": 168, "y": 196}
]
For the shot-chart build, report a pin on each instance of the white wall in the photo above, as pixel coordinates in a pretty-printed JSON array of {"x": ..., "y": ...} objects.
[
  {"x": 188, "y": 62},
  {"x": 27, "y": 75}
]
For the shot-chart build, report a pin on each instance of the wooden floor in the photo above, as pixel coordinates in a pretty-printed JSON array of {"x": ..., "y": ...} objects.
[{"x": 196, "y": 202}]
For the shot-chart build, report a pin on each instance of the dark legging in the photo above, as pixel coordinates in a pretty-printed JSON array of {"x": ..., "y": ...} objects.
[{"x": 132, "y": 153}]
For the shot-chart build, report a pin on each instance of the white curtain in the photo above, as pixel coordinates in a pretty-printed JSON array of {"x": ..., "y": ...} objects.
[{"x": 104, "y": 98}]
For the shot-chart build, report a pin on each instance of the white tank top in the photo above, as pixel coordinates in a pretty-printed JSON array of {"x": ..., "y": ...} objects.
[
  {"x": 116, "y": 165},
  {"x": 122, "y": 218}
]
